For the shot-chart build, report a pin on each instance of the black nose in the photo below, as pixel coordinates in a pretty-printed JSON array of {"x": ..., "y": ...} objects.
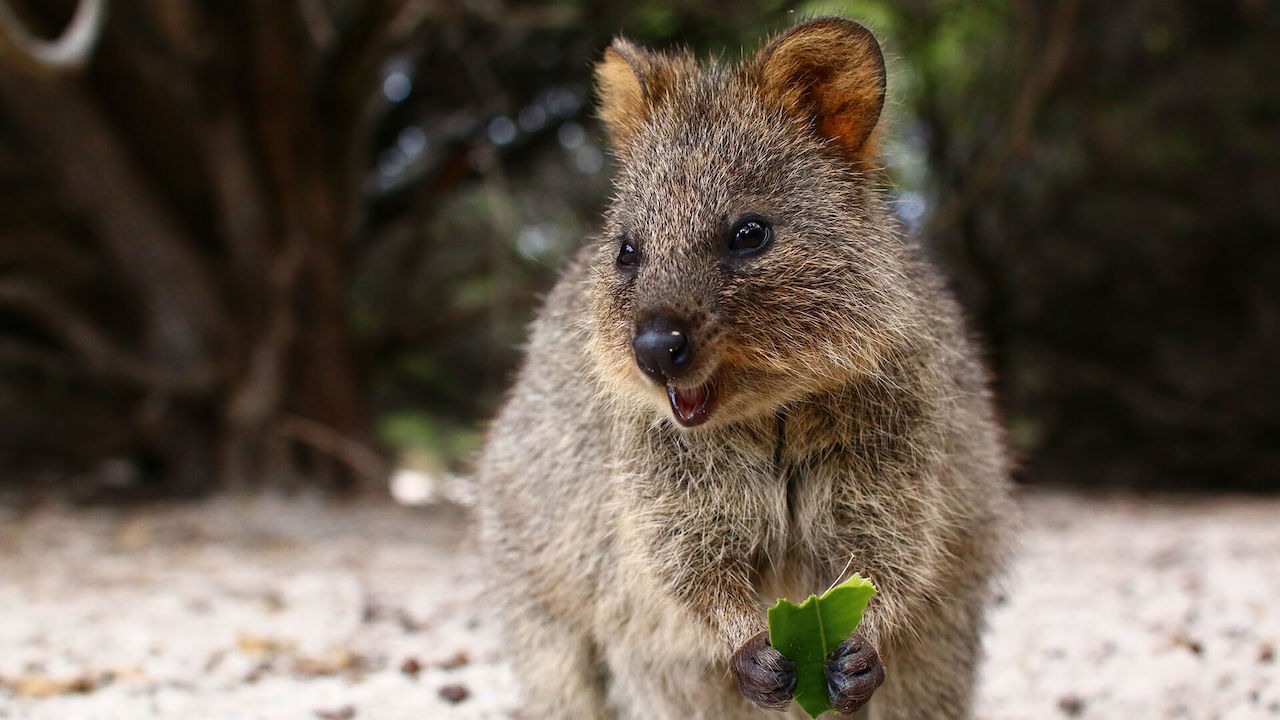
[{"x": 662, "y": 347}]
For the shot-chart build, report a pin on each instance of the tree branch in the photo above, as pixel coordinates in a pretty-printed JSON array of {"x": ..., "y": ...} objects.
[
  {"x": 1030, "y": 97},
  {"x": 99, "y": 352},
  {"x": 69, "y": 52},
  {"x": 185, "y": 316}
]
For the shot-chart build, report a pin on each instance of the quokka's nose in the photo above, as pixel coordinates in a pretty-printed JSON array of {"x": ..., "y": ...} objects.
[{"x": 663, "y": 348}]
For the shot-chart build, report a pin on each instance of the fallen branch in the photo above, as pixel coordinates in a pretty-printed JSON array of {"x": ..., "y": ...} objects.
[{"x": 358, "y": 456}]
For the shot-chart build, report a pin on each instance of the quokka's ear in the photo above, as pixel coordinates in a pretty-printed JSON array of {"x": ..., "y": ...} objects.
[
  {"x": 832, "y": 71},
  {"x": 630, "y": 81}
]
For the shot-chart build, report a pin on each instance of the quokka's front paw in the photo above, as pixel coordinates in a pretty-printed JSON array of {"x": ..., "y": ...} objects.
[
  {"x": 765, "y": 677},
  {"x": 853, "y": 673}
]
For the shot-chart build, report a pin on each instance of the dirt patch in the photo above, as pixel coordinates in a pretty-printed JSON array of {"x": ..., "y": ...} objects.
[{"x": 294, "y": 608}]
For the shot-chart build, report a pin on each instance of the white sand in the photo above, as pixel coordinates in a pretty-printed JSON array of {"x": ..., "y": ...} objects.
[{"x": 274, "y": 608}]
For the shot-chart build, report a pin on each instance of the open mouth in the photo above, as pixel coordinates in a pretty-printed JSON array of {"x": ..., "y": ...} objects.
[{"x": 691, "y": 406}]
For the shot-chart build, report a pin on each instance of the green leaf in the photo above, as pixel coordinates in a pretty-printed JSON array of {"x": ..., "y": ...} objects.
[{"x": 806, "y": 633}]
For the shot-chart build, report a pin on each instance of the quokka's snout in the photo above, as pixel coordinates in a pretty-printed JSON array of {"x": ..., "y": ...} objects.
[
  {"x": 668, "y": 351},
  {"x": 664, "y": 348}
]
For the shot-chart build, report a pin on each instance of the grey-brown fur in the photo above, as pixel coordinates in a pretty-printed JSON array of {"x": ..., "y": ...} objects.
[{"x": 852, "y": 428}]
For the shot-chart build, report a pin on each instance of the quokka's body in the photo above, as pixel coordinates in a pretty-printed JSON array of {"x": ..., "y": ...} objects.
[{"x": 747, "y": 385}]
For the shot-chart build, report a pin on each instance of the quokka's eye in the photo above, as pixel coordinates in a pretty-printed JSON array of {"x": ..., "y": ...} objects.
[
  {"x": 627, "y": 254},
  {"x": 751, "y": 234}
]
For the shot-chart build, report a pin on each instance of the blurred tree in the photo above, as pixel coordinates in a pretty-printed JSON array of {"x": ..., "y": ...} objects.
[
  {"x": 178, "y": 205},
  {"x": 1102, "y": 180},
  {"x": 237, "y": 237}
]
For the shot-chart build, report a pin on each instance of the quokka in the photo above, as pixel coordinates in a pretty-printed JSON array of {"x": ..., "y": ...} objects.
[{"x": 748, "y": 383}]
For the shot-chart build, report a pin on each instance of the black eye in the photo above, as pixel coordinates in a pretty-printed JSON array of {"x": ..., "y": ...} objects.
[
  {"x": 750, "y": 235},
  {"x": 627, "y": 254}
]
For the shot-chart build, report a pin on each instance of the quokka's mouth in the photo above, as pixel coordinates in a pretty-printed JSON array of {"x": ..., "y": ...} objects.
[{"x": 692, "y": 406}]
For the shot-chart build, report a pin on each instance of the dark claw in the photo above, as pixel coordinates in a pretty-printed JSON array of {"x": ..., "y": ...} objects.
[
  {"x": 765, "y": 677},
  {"x": 853, "y": 673}
]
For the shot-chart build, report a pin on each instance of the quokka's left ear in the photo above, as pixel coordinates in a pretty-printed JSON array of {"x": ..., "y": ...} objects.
[
  {"x": 630, "y": 82},
  {"x": 830, "y": 70}
]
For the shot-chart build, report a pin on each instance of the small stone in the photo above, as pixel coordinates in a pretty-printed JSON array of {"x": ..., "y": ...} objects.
[
  {"x": 458, "y": 660},
  {"x": 408, "y": 623},
  {"x": 346, "y": 712},
  {"x": 455, "y": 693},
  {"x": 1071, "y": 705},
  {"x": 1188, "y": 642},
  {"x": 1267, "y": 654},
  {"x": 411, "y": 667}
]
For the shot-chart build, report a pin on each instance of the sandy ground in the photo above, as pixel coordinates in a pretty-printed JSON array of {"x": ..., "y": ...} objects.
[{"x": 1118, "y": 607}]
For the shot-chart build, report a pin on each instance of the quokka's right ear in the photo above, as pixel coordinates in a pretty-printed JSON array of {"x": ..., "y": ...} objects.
[{"x": 630, "y": 82}]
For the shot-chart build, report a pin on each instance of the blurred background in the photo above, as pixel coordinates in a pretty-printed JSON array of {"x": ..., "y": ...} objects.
[{"x": 294, "y": 244}]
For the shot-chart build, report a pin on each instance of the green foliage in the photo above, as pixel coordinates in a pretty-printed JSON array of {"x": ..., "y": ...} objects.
[
  {"x": 806, "y": 633},
  {"x": 408, "y": 430},
  {"x": 878, "y": 15}
]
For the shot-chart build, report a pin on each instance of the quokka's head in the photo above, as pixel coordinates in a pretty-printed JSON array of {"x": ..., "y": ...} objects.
[{"x": 747, "y": 259}]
